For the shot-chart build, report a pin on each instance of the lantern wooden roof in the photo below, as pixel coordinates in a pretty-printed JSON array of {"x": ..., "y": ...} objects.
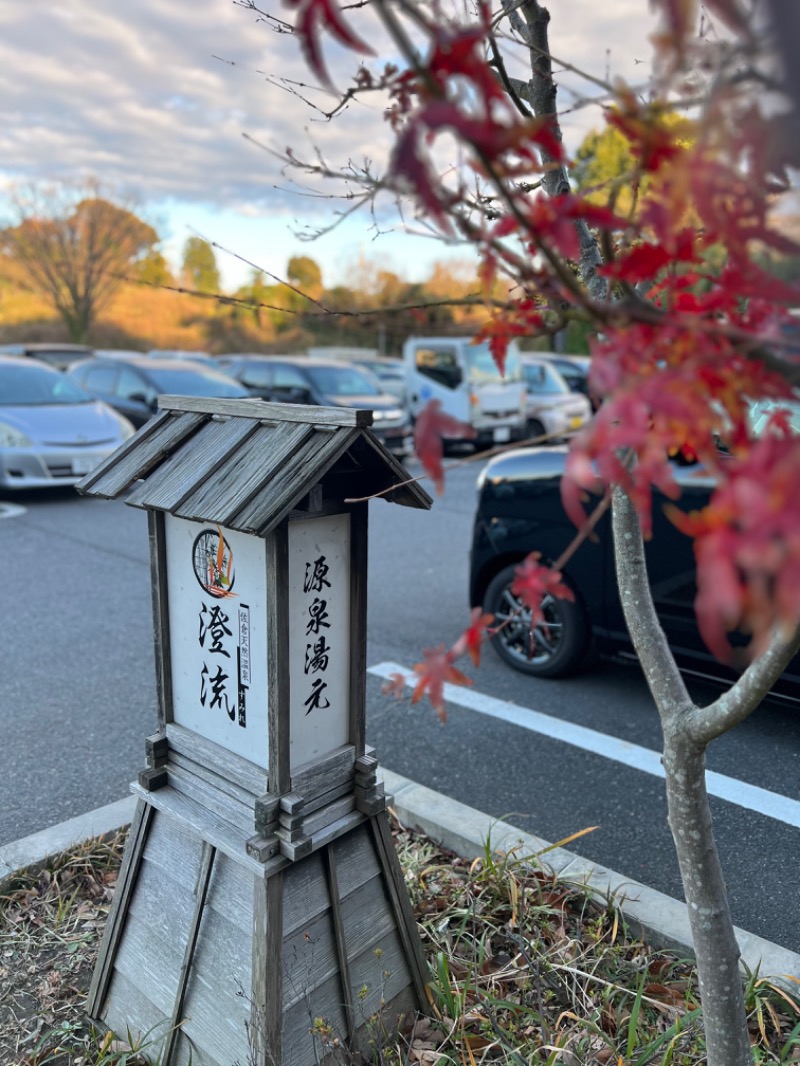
[{"x": 246, "y": 463}]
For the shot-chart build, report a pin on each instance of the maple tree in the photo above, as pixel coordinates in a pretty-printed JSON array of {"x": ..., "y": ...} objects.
[
  {"x": 73, "y": 244},
  {"x": 684, "y": 340}
]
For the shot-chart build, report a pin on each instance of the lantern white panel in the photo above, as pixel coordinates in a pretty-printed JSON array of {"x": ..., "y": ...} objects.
[
  {"x": 319, "y": 636},
  {"x": 217, "y": 594}
]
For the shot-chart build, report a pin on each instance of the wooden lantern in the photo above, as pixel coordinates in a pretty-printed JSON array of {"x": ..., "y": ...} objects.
[{"x": 260, "y": 914}]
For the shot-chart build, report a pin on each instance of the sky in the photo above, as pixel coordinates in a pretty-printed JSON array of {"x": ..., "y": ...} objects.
[{"x": 182, "y": 106}]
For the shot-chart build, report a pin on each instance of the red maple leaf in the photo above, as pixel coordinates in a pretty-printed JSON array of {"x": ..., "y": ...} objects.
[
  {"x": 411, "y": 164},
  {"x": 532, "y": 582},
  {"x": 316, "y": 15},
  {"x": 459, "y": 52},
  {"x": 520, "y": 320},
  {"x": 642, "y": 262},
  {"x": 434, "y": 673},
  {"x": 395, "y": 686},
  {"x": 471, "y": 639},
  {"x": 747, "y": 544},
  {"x": 429, "y": 429}
]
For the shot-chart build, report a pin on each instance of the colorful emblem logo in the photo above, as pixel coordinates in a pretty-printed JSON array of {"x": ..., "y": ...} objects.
[{"x": 212, "y": 560}]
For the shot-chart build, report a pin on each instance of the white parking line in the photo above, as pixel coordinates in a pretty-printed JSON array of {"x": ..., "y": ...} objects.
[
  {"x": 11, "y": 510},
  {"x": 751, "y": 797}
]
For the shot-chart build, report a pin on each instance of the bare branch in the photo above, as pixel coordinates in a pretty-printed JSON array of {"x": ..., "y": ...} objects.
[{"x": 704, "y": 724}]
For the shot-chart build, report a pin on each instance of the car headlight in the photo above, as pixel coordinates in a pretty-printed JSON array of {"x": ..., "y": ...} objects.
[
  {"x": 11, "y": 437},
  {"x": 391, "y": 414}
]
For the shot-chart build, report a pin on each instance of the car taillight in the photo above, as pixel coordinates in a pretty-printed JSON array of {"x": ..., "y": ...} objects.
[{"x": 474, "y": 399}]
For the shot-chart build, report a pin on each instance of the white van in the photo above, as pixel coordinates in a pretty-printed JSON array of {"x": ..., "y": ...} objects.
[{"x": 464, "y": 377}]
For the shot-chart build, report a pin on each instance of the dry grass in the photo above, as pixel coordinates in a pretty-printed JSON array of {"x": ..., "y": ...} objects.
[
  {"x": 50, "y": 927},
  {"x": 526, "y": 968}
]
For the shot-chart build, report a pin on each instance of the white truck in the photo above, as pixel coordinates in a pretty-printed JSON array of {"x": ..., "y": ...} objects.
[{"x": 463, "y": 376}]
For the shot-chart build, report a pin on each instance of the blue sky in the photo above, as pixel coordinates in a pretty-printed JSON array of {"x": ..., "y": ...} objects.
[{"x": 156, "y": 98}]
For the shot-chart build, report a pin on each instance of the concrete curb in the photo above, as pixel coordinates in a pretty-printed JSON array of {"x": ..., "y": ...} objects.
[
  {"x": 465, "y": 831},
  {"x": 664, "y": 919},
  {"x": 36, "y": 850}
]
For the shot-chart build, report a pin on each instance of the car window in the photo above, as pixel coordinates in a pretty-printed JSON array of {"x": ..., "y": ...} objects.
[
  {"x": 256, "y": 377},
  {"x": 286, "y": 377},
  {"x": 29, "y": 386},
  {"x": 343, "y": 381},
  {"x": 129, "y": 384},
  {"x": 543, "y": 380},
  {"x": 186, "y": 379},
  {"x": 99, "y": 378},
  {"x": 440, "y": 365},
  {"x": 385, "y": 373}
]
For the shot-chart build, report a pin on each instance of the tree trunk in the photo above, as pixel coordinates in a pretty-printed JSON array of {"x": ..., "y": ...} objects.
[{"x": 715, "y": 947}]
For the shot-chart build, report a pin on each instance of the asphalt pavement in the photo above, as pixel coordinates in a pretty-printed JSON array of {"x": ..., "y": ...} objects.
[{"x": 78, "y": 697}]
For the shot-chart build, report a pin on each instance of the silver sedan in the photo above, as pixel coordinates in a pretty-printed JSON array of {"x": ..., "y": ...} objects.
[{"x": 51, "y": 431}]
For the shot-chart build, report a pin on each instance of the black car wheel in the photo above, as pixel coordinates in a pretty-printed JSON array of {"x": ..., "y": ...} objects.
[
  {"x": 535, "y": 429},
  {"x": 556, "y": 646}
]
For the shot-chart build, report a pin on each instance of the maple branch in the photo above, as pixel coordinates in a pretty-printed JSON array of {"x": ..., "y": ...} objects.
[
  {"x": 511, "y": 9},
  {"x": 543, "y": 93},
  {"x": 704, "y": 724},
  {"x": 499, "y": 64},
  {"x": 658, "y": 663},
  {"x": 324, "y": 312},
  {"x": 475, "y": 457},
  {"x": 583, "y": 533},
  {"x": 267, "y": 273}
]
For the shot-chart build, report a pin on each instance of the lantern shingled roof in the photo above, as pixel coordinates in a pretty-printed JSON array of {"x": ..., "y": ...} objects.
[{"x": 245, "y": 464}]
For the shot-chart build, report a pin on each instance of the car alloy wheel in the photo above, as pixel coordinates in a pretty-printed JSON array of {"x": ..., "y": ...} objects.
[{"x": 557, "y": 644}]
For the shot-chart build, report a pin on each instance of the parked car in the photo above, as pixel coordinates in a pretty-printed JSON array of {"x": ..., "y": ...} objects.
[
  {"x": 519, "y": 511},
  {"x": 326, "y": 383},
  {"x": 466, "y": 381},
  {"x": 574, "y": 369},
  {"x": 117, "y": 353},
  {"x": 552, "y": 408},
  {"x": 389, "y": 372},
  {"x": 58, "y": 355},
  {"x": 132, "y": 386},
  {"x": 51, "y": 431},
  {"x": 180, "y": 353}
]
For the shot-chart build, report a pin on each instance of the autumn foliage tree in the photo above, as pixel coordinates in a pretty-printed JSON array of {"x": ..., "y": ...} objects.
[
  {"x": 684, "y": 341},
  {"x": 74, "y": 245},
  {"x": 199, "y": 267}
]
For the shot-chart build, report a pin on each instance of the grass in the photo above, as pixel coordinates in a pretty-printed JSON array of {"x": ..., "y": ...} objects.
[{"x": 526, "y": 968}]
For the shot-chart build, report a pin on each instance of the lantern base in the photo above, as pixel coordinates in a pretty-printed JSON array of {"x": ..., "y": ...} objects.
[{"x": 212, "y": 958}]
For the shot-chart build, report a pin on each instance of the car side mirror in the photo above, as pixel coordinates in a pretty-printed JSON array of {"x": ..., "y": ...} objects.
[{"x": 298, "y": 394}]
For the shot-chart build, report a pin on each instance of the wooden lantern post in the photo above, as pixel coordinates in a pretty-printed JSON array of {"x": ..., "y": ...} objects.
[{"x": 260, "y": 915}]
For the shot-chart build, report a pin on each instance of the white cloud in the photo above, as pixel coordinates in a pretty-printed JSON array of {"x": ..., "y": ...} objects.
[{"x": 155, "y": 97}]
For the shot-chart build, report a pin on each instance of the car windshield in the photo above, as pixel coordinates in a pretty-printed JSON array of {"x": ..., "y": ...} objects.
[
  {"x": 31, "y": 386},
  {"x": 343, "y": 381},
  {"x": 482, "y": 369},
  {"x": 390, "y": 373},
  {"x": 543, "y": 379},
  {"x": 193, "y": 381}
]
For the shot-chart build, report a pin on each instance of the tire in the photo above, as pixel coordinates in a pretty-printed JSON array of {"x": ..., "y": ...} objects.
[
  {"x": 559, "y": 646},
  {"x": 534, "y": 428}
]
